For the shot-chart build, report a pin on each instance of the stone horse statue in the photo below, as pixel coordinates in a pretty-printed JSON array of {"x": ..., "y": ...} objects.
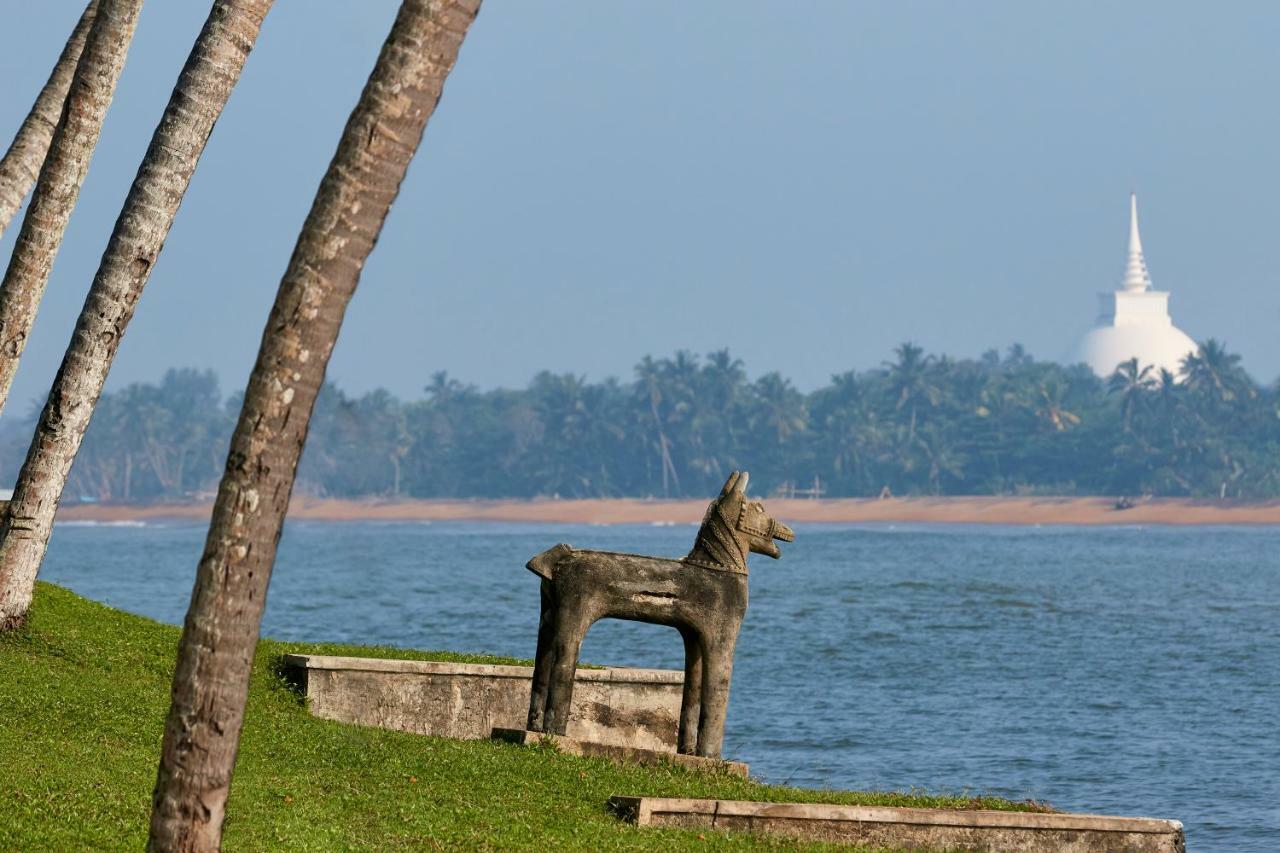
[{"x": 703, "y": 596}]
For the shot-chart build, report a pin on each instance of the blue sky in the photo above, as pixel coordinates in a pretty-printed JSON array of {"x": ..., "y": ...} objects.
[{"x": 806, "y": 183}]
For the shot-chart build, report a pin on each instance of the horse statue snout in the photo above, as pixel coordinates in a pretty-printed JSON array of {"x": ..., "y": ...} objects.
[{"x": 764, "y": 545}]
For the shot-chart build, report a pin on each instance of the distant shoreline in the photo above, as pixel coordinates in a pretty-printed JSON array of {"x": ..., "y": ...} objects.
[{"x": 946, "y": 510}]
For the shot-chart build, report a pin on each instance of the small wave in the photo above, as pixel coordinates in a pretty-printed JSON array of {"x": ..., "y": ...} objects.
[
  {"x": 1013, "y": 602},
  {"x": 662, "y": 524},
  {"x": 91, "y": 523}
]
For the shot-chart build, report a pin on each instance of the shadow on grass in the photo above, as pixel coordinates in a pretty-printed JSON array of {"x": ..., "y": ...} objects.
[{"x": 289, "y": 679}]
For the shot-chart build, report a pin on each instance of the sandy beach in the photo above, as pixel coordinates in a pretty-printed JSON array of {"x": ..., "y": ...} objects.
[{"x": 949, "y": 510}]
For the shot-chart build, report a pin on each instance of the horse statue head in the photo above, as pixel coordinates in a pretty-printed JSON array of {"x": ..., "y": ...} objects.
[{"x": 734, "y": 526}]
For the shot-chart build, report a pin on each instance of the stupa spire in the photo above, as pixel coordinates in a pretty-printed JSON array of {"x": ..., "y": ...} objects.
[{"x": 1135, "y": 270}]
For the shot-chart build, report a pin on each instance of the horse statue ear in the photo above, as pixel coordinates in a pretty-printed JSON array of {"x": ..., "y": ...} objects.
[
  {"x": 730, "y": 484},
  {"x": 742, "y": 483}
]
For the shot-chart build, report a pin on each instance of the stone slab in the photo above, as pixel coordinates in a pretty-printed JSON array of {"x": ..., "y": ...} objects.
[
  {"x": 631, "y": 755},
  {"x": 994, "y": 831},
  {"x": 619, "y": 705}
]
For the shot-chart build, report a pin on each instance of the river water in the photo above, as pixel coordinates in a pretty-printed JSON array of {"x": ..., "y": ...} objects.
[{"x": 1131, "y": 671}]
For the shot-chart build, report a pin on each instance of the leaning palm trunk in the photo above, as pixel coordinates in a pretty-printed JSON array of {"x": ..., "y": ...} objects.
[
  {"x": 21, "y": 163},
  {"x": 202, "y": 91},
  {"x": 211, "y": 681},
  {"x": 60, "y": 178}
]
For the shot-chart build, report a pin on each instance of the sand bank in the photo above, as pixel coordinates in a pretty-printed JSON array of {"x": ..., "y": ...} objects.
[{"x": 951, "y": 510}]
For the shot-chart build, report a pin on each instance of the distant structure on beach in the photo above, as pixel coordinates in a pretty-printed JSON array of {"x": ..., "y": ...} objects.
[{"x": 1134, "y": 321}]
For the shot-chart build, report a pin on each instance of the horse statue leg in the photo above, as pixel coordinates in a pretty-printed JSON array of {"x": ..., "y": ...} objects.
[
  {"x": 542, "y": 661},
  {"x": 566, "y": 642},
  {"x": 717, "y": 672},
  {"x": 691, "y": 702}
]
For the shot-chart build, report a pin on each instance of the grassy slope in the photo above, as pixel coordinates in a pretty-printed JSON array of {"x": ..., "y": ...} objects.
[{"x": 84, "y": 691}]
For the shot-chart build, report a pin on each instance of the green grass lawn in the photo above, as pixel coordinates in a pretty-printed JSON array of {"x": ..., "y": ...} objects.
[{"x": 83, "y": 694}]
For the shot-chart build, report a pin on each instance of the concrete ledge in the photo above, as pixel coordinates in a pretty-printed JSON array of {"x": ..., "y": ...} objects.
[
  {"x": 608, "y": 675},
  {"x": 995, "y": 831},
  {"x": 630, "y": 755},
  {"x": 620, "y": 706}
]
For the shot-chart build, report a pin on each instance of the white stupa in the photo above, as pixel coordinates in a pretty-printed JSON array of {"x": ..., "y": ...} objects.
[{"x": 1134, "y": 321}]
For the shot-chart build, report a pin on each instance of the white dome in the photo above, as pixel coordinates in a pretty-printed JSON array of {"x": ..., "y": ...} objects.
[{"x": 1158, "y": 345}]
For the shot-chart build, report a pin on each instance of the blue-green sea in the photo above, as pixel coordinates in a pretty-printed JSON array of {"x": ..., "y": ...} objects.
[{"x": 1127, "y": 670}]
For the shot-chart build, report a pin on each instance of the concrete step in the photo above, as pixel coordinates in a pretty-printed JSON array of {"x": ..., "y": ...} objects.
[
  {"x": 901, "y": 828},
  {"x": 628, "y": 754}
]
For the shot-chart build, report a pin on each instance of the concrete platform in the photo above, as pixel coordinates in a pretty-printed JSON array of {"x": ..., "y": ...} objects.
[
  {"x": 632, "y": 755},
  {"x": 925, "y": 829},
  {"x": 621, "y": 706}
]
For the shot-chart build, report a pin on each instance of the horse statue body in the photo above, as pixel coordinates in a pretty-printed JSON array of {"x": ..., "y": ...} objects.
[{"x": 703, "y": 596}]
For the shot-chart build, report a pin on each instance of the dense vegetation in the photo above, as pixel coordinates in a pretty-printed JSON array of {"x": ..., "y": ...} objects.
[
  {"x": 918, "y": 425},
  {"x": 90, "y": 686}
]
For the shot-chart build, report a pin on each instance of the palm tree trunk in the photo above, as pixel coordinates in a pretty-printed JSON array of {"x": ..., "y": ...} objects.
[
  {"x": 61, "y": 175},
  {"x": 128, "y": 475},
  {"x": 202, "y": 90},
  {"x": 668, "y": 467},
  {"x": 211, "y": 681},
  {"x": 21, "y": 163}
]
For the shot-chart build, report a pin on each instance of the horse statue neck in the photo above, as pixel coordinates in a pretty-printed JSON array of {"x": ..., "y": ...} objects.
[{"x": 717, "y": 545}]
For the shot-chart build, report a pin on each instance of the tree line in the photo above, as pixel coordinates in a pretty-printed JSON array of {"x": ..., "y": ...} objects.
[{"x": 917, "y": 425}]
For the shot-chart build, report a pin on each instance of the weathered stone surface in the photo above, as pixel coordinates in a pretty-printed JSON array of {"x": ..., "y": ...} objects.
[
  {"x": 628, "y": 754},
  {"x": 927, "y": 829},
  {"x": 619, "y": 706},
  {"x": 703, "y": 596}
]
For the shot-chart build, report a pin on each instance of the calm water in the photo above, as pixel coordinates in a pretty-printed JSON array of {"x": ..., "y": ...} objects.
[{"x": 1129, "y": 671}]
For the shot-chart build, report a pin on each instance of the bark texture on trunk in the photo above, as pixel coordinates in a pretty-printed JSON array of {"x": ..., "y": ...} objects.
[
  {"x": 211, "y": 682},
  {"x": 63, "y": 172},
  {"x": 21, "y": 163},
  {"x": 202, "y": 90}
]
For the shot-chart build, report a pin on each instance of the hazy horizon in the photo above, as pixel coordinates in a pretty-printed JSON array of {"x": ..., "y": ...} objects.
[{"x": 807, "y": 189}]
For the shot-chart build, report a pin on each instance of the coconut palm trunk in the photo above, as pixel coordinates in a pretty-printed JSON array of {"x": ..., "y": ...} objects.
[
  {"x": 63, "y": 172},
  {"x": 21, "y": 163},
  {"x": 202, "y": 90},
  {"x": 211, "y": 681}
]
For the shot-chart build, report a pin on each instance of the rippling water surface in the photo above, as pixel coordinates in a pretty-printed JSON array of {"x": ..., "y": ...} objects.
[{"x": 1129, "y": 671}]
